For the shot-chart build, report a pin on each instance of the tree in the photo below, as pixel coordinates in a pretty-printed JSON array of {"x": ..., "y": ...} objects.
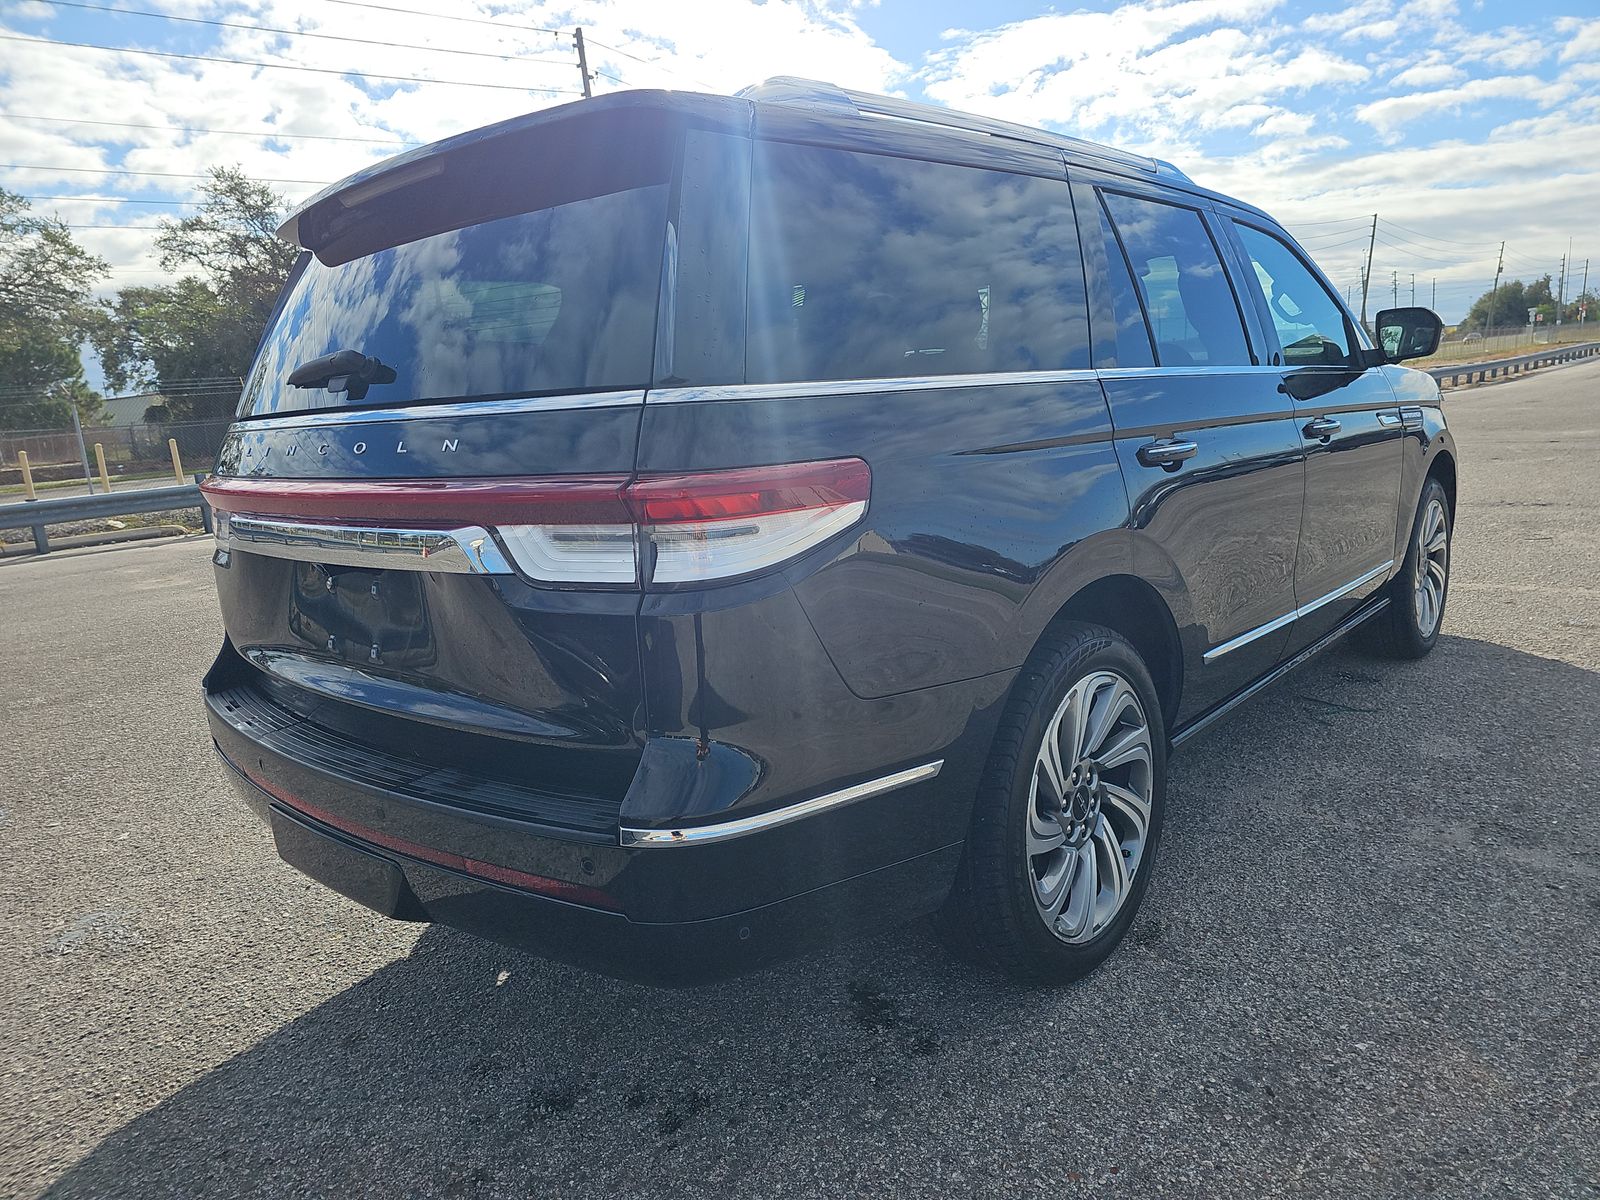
[
  {"x": 1512, "y": 301},
  {"x": 45, "y": 312},
  {"x": 205, "y": 326}
]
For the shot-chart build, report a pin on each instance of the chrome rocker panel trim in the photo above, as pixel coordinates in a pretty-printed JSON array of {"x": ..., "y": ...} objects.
[
  {"x": 1261, "y": 631},
  {"x": 699, "y": 835},
  {"x": 470, "y": 550}
]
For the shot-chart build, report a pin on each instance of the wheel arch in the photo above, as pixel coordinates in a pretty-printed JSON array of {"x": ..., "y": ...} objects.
[
  {"x": 1133, "y": 608},
  {"x": 1443, "y": 468}
]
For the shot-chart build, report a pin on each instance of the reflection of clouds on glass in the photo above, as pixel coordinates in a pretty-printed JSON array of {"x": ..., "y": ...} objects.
[
  {"x": 1191, "y": 305},
  {"x": 557, "y": 300},
  {"x": 1309, "y": 322},
  {"x": 867, "y": 266}
]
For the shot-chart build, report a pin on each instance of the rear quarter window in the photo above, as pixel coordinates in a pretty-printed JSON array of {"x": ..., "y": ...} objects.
[{"x": 867, "y": 267}]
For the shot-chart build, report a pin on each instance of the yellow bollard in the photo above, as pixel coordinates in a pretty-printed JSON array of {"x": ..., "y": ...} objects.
[
  {"x": 27, "y": 474},
  {"x": 100, "y": 459},
  {"x": 177, "y": 463}
]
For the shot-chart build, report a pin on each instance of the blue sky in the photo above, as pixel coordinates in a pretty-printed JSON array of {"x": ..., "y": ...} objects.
[{"x": 1460, "y": 123}]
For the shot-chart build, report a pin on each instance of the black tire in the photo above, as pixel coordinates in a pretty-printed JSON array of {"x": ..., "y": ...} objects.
[
  {"x": 1401, "y": 631},
  {"x": 992, "y": 915}
]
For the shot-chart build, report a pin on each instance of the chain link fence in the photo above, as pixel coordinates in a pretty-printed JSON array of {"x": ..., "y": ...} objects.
[
  {"x": 132, "y": 453},
  {"x": 1501, "y": 341}
]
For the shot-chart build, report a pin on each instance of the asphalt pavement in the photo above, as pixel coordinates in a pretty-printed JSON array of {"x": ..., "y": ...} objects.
[{"x": 1368, "y": 964}]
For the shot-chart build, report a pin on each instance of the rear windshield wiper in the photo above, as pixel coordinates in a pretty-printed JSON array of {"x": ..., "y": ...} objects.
[{"x": 348, "y": 371}]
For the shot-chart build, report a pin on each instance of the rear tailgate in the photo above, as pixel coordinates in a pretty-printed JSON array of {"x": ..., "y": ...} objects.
[{"x": 454, "y": 377}]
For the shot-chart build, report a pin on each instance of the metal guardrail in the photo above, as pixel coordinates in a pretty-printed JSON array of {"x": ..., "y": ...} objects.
[
  {"x": 1481, "y": 372},
  {"x": 36, "y": 514}
]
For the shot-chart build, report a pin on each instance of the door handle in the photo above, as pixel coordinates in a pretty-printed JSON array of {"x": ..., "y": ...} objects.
[
  {"x": 1321, "y": 428},
  {"x": 1167, "y": 453}
]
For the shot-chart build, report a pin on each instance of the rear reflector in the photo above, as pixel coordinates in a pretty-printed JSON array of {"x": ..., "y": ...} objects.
[{"x": 705, "y": 527}]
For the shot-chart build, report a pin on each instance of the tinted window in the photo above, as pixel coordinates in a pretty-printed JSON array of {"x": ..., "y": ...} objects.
[
  {"x": 1132, "y": 334},
  {"x": 863, "y": 266},
  {"x": 1191, "y": 307},
  {"x": 556, "y": 300},
  {"x": 1311, "y": 327}
]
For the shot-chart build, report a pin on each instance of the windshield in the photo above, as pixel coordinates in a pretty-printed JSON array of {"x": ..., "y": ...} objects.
[{"x": 562, "y": 299}]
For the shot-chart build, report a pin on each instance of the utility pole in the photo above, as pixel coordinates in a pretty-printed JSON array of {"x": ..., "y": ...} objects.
[
  {"x": 1583, "y": 296},
  {"x": 1561, "y": 288},
  {"x": 1366, "y": 276},
  {"x": 1435, "y": 304},
  {"x": 583, "y": 64},
  {"x": 1495, "y": 291},
  {"x": 1394, "y": 288},
  {"x": 1413, "y": 289}
]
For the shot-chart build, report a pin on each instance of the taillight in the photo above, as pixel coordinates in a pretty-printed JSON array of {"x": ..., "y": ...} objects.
[
  {"x": 608, "y": 530},
  {"x": 723, "y": 524}
]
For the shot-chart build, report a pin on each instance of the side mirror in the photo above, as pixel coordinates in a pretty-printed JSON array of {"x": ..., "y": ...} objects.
[{"x": 1408, "y": 333}]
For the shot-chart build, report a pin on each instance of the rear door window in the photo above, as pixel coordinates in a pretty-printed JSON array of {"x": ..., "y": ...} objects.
[
  {"x": 869, "y": 267},
  {"x": 1310, "y": 324},
  {"x": 1193, "y": 315},
  {"x": 557, "y": 300}
]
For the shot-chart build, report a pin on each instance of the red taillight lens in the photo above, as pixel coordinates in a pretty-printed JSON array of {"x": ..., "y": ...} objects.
[
  {"x": 749, "y": 491},
  {"x": 703, "y": 527},
  {"x": 428, "y": 503}
]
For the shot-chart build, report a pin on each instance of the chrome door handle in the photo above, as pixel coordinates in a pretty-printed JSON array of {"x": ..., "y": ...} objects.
[
  {"x": 1321, "y": 428},
  {"x": 1167, "y": 453}
]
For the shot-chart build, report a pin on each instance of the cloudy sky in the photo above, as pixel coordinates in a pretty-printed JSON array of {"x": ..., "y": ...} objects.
[{"x": 1459, "y": 122}]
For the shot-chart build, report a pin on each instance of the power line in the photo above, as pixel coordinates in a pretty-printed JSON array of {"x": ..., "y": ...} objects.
[
  {"x": 649, "y": 62},
  {"x": 420, "y": 12},
  {"x": 117, "y": 200},
  {"x": 152, "y": 174},
  {"x": 266, "y": 134},
  {"x": 1431, "y": 238},
  {"x": 332, "y": 37},
  {"x": 242, "y": 62}
]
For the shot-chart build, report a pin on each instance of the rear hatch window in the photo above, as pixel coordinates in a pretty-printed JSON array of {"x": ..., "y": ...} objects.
[{"x": 561, "y": 298}]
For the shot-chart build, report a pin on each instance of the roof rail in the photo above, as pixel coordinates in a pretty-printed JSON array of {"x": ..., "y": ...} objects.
[{"x": 810, "y": 93}]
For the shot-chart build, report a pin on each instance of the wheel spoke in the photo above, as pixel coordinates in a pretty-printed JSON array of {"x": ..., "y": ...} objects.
[
  {"x": 1435, "y": 544},
  {"x": 1133, "y": 808},
  {"x": 1132, "y": 746},
  {"x": 1044, "y": 834},
  {"x": 1051, "y": 770},
  {"x": 1109, "y": 704},
  {"x": 1078, "y": 912},
  {"x": 1436, "y": 573},
  {"x": 1115, "y": 872},
  {"x": 1055, "y": 886}
]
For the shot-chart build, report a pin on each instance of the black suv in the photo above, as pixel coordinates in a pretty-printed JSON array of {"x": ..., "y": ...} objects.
[{"x": 668, "y": 531}]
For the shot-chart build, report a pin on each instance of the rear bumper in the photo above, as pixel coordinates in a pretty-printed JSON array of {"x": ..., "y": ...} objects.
[{"x": 666, "y": 952}]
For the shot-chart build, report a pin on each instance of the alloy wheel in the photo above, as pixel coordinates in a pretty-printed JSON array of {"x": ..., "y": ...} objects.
[
  {"x": 1433, "y": 567},
  {"x": 1089, "y": 820}
]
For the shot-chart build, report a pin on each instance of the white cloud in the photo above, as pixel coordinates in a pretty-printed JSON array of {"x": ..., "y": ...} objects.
[
  {"x": 1390, "y": 113},
  {"x": 1429, "y": 74},
  {"x": 1581, "y": 38}
]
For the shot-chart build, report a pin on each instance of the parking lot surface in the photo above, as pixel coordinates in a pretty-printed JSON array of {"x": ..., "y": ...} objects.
[{"x": 1368, "y": 964}]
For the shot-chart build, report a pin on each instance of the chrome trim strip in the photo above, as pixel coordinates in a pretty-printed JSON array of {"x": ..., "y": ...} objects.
[
  {"x": 1261, "y": 631},
  {"x": 856, "y": 387},
  {"x": 442, "y": 410},
  {"x": 1390, "y": 420},
  {"x": 466, "y": 551},
  {"x": 699, "y": 835}
]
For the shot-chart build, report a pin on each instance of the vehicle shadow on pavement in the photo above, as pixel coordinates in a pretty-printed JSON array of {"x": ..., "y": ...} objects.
[{"x": 1365, "y": 965}]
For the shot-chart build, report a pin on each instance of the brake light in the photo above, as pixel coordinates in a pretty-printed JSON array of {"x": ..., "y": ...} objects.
[
  {"x": 704, "y": 527},
  {"x": 723, "y": 524}
]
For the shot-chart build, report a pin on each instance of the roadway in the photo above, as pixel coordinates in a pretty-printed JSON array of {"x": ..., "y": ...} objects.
[{"x": 1368, "y": 964}]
